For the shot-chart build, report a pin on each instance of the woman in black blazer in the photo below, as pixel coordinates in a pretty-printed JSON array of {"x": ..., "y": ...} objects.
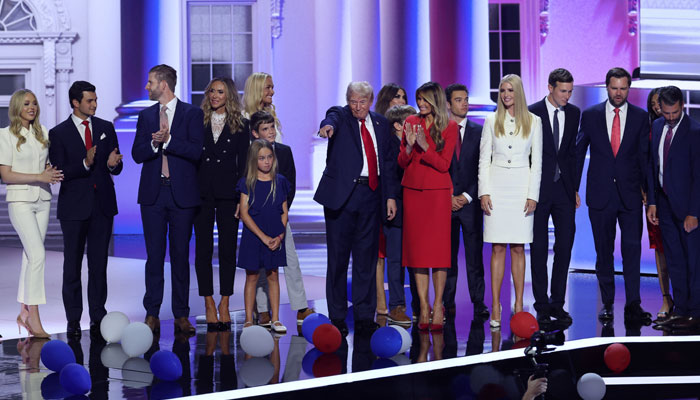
[{"x": 226, "y": 140}]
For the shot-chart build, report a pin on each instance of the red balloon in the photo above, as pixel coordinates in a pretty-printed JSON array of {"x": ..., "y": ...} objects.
[
  {"x": 327, "y": 365},
  {"x": 327, "y": 338},
  {"x": 524, "y": 324},
  {"x": 617, "y": 357}
]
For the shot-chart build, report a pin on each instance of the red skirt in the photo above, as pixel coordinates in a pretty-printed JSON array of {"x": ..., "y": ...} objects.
[
  {"x": 426, "y": 228},
  {"x": 655, "y": 240}
]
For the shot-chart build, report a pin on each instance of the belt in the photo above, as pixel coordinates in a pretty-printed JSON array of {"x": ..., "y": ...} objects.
[
  {"x": 165, "y": 181},
  {"x": 362, "y": 180}
]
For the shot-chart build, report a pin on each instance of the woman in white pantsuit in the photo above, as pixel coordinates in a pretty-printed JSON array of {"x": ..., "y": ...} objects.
[
  {"x": 510, "y": 165},
  {"x": 24, "y": 149}
]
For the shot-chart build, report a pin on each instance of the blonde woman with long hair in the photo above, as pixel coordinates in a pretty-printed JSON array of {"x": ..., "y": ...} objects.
[
  {"x": 24, "y": 167},
  {"x": 257, "y": 96},
  {"x": 510, "y": 166},
  {"x": 426, "y": 151},
  {"x": 223, "y": 161}
]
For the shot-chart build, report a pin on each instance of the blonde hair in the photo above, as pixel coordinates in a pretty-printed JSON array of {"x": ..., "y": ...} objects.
[
  {"x": 252, "y": 96},
  {"x": 433, "y": 94},
  {"x": 252, "y": 169},
  {"x": 523, "y": 118},
  {"x": 234, "y": 118},
  {"x": 15, "y": 111}
]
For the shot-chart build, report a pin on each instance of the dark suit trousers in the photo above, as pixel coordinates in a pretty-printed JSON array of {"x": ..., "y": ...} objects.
[
  {"x": 353, "y": 230},
  {"x": 394, "y": 270},
  {"x": 96, "y": 231},
  {"x": 470, "y": 220},
  {"x": 161, "y": 220},
  {"x": 563, "y": 212},
  {"x": 603, "y": 223},
  {"x": 682, "y": 251},
  {"x": 223, "y": 211}
]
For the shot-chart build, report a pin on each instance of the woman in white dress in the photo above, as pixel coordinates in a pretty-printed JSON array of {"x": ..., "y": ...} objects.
[{"x": 510, "y": 165}]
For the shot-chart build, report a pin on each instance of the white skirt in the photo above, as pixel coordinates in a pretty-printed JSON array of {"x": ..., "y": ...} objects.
[{"x": 507, "y": 222}]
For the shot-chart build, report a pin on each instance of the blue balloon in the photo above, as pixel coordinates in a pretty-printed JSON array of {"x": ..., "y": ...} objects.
[
  {"x": 75, "y": 379},
  {"x": 311, "y": 323},
  {"x": 307, "y": 363},
  {"x": 386, "y": 342},
  {"x": 51, "y": 387},
  {"x": 56, "y": 354},
  {"x": 166, "y": 366}
]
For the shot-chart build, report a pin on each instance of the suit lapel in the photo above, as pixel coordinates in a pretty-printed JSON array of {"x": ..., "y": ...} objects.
[
  {"x": 603, "y": 128},
  {"x": 75, "y": 137},
  {"x": 354, "y": 125},
  {"x": 177, "y": 120},
  {"x": 629, "y": 121},
  {"x": 678, "y": 138}
]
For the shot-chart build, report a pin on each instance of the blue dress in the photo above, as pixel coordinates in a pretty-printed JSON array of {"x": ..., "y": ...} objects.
[{"x": 253, "y": 254}]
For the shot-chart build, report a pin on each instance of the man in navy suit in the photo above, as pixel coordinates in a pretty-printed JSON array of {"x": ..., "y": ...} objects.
[
  {"x": 86, "y": 149},
  {"x": 618, "y": 135},
  {"x": 466, "y": 214},
  {"x": 356, "y": 165},
  {"x": 558, "y": 196},
  {"x": 168, "y": 143},
  {"x": 674, "y": 203}
]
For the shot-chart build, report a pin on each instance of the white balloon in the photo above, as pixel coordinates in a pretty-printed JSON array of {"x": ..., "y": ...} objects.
[
  {"x": 136, "y": 339},
  {"x": 591, "y": 386},
  {"x": 257, "y": 341},
  {"x": 112, "y": 326},
  {"x": 256, "y": 371},
  {"x": 113, "y": 356},
  {"x": 136, "y": 373},
  {"x": 406, "y": 340},
  {"x": 401, "y": 359}
]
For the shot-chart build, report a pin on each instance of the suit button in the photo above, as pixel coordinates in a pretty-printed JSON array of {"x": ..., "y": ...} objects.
[
  {"x": 508, "y": 161},
  {"x": 204, "y": 148},
  {"x": 228, "y": 140},
  {"x": 510, "y": 147},
  {"x": 207, "y": 159},
  {"x": 224, "y": 151},
  {"x": 218, "y": 160},
  {"x": 614, "y": 180},
  {"x": 510, "y": 133}
]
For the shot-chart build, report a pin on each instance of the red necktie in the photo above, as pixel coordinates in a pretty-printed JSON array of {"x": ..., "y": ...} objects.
[
  {"x": 88, "y": 135},
  {"x": 371, "y": 156},
  {"x": 458, "y": 148},
  {"x": 615, "y": 134},
  {"x": 667, "y": 148}
]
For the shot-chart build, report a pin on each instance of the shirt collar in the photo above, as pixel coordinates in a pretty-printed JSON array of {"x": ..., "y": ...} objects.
[
  {"x": 610, "y": 109},
  {"x": 77, "y": 121},
  {"x": 551, "y": 107},
  {"x": 171, "y": 104}
]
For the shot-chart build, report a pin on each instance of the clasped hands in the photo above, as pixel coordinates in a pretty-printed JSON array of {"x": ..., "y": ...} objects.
[
  {"x": 161, "y": 136},
  {"x": 486, "y": 205},
  {"x": 274, "y": 243},
  {"x": 414, "y": 134}
]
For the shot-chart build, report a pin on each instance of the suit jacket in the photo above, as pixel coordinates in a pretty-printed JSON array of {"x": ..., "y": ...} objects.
[
  {"x": 223, "y": 163},
  {"x": 285, "y": 166},
  {"x": 183, "y": 151},
  {"x": 607, "y": 173},
  {"x": 344, "y": 157},
  {"x": 30, "y": 159},
  {"x": 465, "y": 171},
  {"x": 565, "y": 157},
  {"x": 397, "y": 221},
  {"x": 428, "y": 169},
  {"x": 681, "y": 169},
  {"x": 80, "y": 185}
]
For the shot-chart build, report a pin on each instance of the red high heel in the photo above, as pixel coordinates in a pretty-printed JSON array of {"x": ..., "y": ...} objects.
[
  {"x": 424, "y": 326},
  {"x": 437, "y": 327}
]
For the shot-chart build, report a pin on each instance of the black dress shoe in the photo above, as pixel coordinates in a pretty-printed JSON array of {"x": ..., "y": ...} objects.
[
  {"x": 73, "y": 330},
  {"x": 635, "y": 312},
  {"x": 606, "y": 313},
  {"x": 481, "y": 311},
  {"x": 562, "y": 316},
  {"x": 341, "y": 325},
  {"x": 366, "y": 327},
  {"x": 95, "y": 330},
  {"x": 543, "y": 318},
  {"x": 686, "y": 323},
  {"x": 669, "y": 320}
]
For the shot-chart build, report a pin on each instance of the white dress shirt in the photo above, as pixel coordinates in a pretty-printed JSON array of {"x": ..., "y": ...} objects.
[
  {"x": 370, "y": 128},
  {"x": 462, "y": 128},
  {"x": 81, "y": 129},
  {"x": 661, "y": 148},
  {"x": 560, "y": 116},
  {"x": 610, "y": 115},
  {"x": 170, "y": 113}
]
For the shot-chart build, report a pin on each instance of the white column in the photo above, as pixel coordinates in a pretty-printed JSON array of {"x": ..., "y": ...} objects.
[
  {"x": 171, "y": 40},
  {"x": 105, "y": 55},
  {"x": 474, "y": 57}
]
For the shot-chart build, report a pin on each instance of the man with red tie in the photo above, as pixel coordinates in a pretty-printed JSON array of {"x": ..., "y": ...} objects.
[
  {"x": 674, "y": 204},
  {"x": 357, "y": 179},
  {"x": 86, "y": 149},
  {"x": 618, "y": 135}
]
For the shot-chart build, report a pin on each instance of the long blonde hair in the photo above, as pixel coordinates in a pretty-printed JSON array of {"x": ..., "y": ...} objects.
[
  {"x": 234, "y": 118},
  {"x": 16, "y": 104},
  {"x": 252, "y": 169},
  {"x": 252, "y": 96},
  {"x": 433, "y": 94},
  {"x": 523, "y": 118}
]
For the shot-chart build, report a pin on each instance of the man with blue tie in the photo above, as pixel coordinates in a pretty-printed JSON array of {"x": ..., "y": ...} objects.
[
  {"x": 558, "y": 197},
  {"x": 168, "y": 143},
  {"x": 618, "y": 135},
  {"x": 358, "y": 177},
  {"x": 674, "y": 204}
]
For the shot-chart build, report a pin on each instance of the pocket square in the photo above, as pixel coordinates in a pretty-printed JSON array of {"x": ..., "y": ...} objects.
[{"x": 103, "y": 136}]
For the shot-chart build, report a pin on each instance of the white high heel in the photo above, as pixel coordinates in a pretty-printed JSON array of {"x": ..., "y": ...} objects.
[{"x": 496, "y": 324}]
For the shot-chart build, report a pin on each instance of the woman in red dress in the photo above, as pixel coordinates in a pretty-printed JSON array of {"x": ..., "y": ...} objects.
[
  {"x": 655, "y": 241},
  {"x": 428, "y": 144}
]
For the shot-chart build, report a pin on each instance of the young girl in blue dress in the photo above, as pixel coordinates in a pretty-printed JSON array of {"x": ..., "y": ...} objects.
[{"x": 264, "y": 214}]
